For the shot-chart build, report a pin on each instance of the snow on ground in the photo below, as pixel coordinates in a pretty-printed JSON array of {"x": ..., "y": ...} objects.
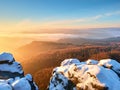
[{"x": 89, "y": 75}]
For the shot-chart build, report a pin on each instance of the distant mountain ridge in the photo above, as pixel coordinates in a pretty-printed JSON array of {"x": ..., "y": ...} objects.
[
  {"x": 80, "y": 41},
  {"x": 47, "y": 55},
  {"x": 37, "y": 47}
]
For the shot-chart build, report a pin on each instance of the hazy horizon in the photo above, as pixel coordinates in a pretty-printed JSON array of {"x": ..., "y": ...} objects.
[
  {"x": 23, "y": 21},
  {"x": 53, "y": 16}
]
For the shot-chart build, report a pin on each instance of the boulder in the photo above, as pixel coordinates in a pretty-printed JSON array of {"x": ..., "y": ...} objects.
[
  {"x": 89, "y": 75},
  {"x": 12, "y": 75}
]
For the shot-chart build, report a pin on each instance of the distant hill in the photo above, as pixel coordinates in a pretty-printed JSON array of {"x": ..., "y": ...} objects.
[
  {"x": 36, "y": 47},
  {"x": 81, "y": 41},
  {"x": 54, "y": 57},
  {"x": 37, "y": 64},
  {"x": 113, "y": 39},
  {"x": 40, "y": 57}
]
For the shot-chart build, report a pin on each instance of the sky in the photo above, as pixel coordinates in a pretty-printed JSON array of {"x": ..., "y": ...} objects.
[{"x": 33, "y": 17}]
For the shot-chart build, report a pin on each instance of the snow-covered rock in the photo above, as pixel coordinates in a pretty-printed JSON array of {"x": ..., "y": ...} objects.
[
  {"x": 89, "y": 75},
  {"x": 12, "y": 75},
  {"x": 9, "y": 68}
]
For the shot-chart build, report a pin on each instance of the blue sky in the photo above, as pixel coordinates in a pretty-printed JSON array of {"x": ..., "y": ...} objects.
[
  {"x": 36, "y": 15},
  {"x": 55, "y": 9},
  {"x": 55, "y": 19}
]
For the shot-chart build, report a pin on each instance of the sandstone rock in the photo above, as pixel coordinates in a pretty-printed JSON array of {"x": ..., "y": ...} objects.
[
  {"x": 89, "y": 75},
  {"x": 12, "y": 75}
]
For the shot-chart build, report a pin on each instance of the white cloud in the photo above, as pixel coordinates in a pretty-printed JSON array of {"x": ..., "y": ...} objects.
[
  {"x": 87, "y": 22},
  {"x": 81, "y": 20},
  {"x": 112, "y": 13}
]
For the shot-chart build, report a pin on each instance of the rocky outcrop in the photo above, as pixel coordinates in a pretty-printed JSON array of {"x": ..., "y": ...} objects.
[
  {"x": 12, "y": 75},
  {"x": 89, "y": 75}
]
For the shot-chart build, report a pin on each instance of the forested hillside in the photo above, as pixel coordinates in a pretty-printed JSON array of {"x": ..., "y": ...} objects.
[{"x": 47, "y": 55}]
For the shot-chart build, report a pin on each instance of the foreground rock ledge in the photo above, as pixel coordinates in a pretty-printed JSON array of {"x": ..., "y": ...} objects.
[
  {"x": 12, "y": 75},
  {"x": 89, "y": 75}
]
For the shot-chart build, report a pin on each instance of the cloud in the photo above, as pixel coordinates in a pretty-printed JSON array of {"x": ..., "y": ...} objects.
[
  {"x": 82, "y": 20},
  {"x": 28, "y": 25},
  {"x": 96, "y": 17},
  {"x": 112, "y": 13},
  {"x": 71, "y": 21}
]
